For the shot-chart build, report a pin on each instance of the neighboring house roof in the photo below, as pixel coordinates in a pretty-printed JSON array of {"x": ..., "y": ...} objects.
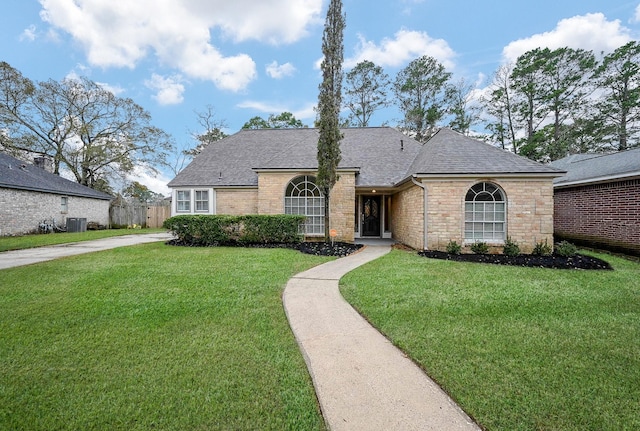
[
  {"x": 382, "y": 156},
  {"x": 597, "y": 168},
  {"x": 16, "y": 174}
]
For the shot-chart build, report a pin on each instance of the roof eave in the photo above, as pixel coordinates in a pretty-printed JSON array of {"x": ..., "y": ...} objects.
[
  {"x": 598, "y": 180},
  {"x": 56, "y": 192}
]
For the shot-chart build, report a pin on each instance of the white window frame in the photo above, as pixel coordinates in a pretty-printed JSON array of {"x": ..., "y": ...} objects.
[
  {"x": 193, "y": 201},
  {"x": 197, "y": 201},
  {"x": 64, "y": 204},
  {"x": 302, "y": 196},
  {"x": 187, "y": 200},
  {"x": 485, "y": 214}
]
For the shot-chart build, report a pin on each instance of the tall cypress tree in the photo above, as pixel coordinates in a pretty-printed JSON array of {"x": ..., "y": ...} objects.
[{"x": 329, "y": 102}]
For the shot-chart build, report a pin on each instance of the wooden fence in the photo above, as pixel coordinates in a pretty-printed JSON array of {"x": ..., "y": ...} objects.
[{"x": 141, "y": 214}]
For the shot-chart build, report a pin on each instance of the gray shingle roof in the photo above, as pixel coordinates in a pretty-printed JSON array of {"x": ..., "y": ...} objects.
[
  {"x": 16, "y": 174},
  {"x": 383, "y": 157},
  {"x": 591, "y": 168},
  {"x": 449, "y": 152}
]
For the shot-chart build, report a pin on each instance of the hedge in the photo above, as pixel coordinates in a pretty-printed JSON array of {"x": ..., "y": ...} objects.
[{"x": 214, "y": 230}]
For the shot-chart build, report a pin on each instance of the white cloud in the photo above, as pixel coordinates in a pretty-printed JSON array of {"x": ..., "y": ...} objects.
[
  {"x": 279, "y": 71},
  {"x": 169, "y": 91},
  {"x": 406, "y": 46},
  {"x": 636, "y": 15},
  {"x": 590, "y": 32},
  {"x": 115, "y": 89},
  {"x": 29, "y": 33},
  {"x": 120, "y": 34},
  {"x": 155, "y": 182}
]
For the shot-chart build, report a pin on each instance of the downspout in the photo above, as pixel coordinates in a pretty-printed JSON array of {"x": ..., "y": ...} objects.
[{"x": 424, "y": 218}]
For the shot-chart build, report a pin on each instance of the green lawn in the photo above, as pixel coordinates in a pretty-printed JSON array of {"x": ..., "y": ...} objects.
[
  {"x": 153, "y": 337},
  {"x": 518, "y": 348},
  {"x": 30, "y": 241}
]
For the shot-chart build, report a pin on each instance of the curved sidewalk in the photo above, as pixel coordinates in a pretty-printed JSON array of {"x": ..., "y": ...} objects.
[
  {"x": 362, "y": 381},
  {"x": 10, "y": 259}
]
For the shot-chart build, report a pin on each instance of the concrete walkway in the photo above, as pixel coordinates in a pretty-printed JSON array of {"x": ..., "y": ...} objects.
[
  {"x": 362, "y": 381},
  {"x": 9, "y": 259}
]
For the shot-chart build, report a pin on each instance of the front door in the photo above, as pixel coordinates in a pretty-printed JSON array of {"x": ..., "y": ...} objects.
[{"x": 371, "y": 216}]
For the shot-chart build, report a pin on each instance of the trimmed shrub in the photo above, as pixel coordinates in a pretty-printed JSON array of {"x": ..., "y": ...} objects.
[
  {"x": 213, "y": 230},
  {"x": 454, "y": 248},
  {"x": 480, "y": 247},
  {"x": 566, "y": 249},
  {"x": 542, "y": 249},
  {"x": 511, "y": 248}
]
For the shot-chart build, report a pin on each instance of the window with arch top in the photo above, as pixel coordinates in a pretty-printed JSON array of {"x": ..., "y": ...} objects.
[
  {"x": 304, "y": 197},
  {"x": 485, "y": 213}
]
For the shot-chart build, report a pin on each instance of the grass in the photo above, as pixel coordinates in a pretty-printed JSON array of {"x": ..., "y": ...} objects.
[
  {"x": 153, "y": 337},
  {"x": 39, "y": 240},
  {"x": 517, "y": 348}
]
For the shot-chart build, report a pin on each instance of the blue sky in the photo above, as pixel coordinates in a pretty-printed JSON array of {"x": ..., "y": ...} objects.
[{"x": 250, "y": 57}]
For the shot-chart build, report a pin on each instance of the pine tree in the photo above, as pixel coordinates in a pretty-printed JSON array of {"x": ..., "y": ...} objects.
[{"x": 329, "y": 102}]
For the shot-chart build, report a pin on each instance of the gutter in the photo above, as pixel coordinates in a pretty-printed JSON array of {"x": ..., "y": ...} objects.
[
  {"x": 597, "y": 180},
  {"x": 424, "y": 217}
]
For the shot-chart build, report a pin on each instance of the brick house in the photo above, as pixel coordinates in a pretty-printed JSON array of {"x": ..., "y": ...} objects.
[
  {"x": 598, "y": 201},
  {"x": 29, "y": 194},
  {"x": 390, "y": 186}
]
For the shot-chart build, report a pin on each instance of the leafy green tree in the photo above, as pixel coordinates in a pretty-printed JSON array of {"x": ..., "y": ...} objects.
[
  {"x": 420, "y": 94},
  {"x": 461, "y": 107},
  {"x": 527, "y": 81},
  {"x": 329, "y": 103},
  {"x": 366, "y": 91},
  {"x": 499, "y": 105},
  {"x": 141, "y": 193},
  {"x": 568, "y": 76},
  {"x": 550, "y": 91},
  {"x": 619, "y": 77},
  {"x": 285, "y": 120},
  {"x": 80, "y": 125}
]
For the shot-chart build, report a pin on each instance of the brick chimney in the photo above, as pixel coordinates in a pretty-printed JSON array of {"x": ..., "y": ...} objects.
[{"x": 43, "y": 162}]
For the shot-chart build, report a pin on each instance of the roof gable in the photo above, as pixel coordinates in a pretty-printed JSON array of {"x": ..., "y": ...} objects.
[{"x": 16, "y": 174}]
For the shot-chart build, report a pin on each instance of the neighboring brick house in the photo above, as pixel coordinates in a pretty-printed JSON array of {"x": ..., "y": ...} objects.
[
  {"x": 390, "y": 186},
  {"x": 598, "y": 201},
  {"x": 29, "y": 195}
]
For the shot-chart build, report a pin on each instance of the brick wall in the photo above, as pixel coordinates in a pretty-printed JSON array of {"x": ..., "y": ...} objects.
[
  {"x": 343, "y": 198},
  {"x": 271, "y": 191},
  {"x": 236, "y": 202},
  {"x": 21, "y": 211},
  {"x": 529, "y": 212},
  {"x": 407, "y": 207},
  {"x": 604, "y": 215}
]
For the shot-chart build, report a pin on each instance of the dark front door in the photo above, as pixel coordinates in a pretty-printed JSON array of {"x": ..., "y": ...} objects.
[{"x": 371, "y": 216}]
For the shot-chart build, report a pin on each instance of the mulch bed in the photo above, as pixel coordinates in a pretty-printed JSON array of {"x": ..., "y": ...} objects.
[
  {"x": 577, "y": 261},
  {"x": 341, "y": 249},
  {"x": 337, "y": 249}
]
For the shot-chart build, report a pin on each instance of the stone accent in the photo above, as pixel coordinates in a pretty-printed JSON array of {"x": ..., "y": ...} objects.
[
  {"x": 236, "y": 202},
  {"x": 605, "y": 215},
  {"x": 21, "y": 211}
]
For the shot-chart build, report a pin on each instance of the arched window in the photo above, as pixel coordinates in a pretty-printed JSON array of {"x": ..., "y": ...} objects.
[
  {"x": 304, "y": 197},
  {"x": 485, "y": 213}
]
